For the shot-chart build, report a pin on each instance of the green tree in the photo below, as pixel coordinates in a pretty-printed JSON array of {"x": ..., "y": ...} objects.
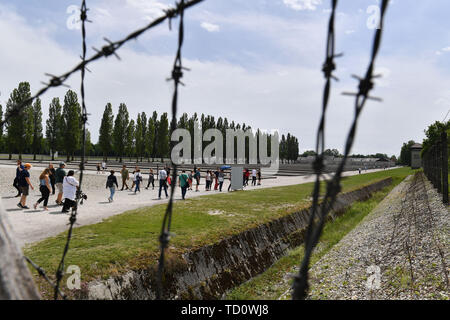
[
  {"x": 54, "y": 127},
  {"x": 405, "y": 153},
  {"x": 120, "y": 130},
  {"x": 36, "y": 145},
  {"x": 71, "y": 119},
  {"x": 19, "y": 133},
  {"x": 1, "y": 129},
  {"x": 150, "y": 137},
  {"x": 130, "y": 144},
  {"x": 139, "y": 137},
  {"x": 106, "y": 131},
  {"x": 89, "y": 146},
  {"x": 433, "y": 134},
  {"x": 163, "y": 136}
]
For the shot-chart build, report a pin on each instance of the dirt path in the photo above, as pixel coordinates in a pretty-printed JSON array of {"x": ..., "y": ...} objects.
[{"x": 34, "y": 225}]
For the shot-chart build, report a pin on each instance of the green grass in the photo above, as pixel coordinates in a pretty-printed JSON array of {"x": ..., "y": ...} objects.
[
  {"x": 269, "y": 285},
  {"x": 130, "y": 240}
]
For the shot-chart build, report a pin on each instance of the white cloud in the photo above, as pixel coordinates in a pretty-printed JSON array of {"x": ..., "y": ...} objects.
[
  {"x": 210, "y": 27},
  {"x": 302, "y": 4}
]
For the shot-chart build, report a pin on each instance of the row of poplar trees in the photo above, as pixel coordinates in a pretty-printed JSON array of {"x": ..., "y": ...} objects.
[
  {"x": 24, "y": 132},
  {"x": 119, "y": 135},
  {"x": 149, "y": 137}
]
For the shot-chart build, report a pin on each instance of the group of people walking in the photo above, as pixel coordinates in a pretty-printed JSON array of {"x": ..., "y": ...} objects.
[
  {"x": 65, "y": 185},
  {"x": 50, "y": 181}
]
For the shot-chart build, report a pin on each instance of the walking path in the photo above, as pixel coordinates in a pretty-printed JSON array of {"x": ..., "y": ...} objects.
[{"x": 34, "y": 225}]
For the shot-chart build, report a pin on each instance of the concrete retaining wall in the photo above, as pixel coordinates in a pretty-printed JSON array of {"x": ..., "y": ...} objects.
[{"x": 208, "y": 272}]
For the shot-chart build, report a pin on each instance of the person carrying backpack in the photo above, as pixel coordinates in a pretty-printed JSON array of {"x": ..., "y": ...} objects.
[{"x": 111, "y": 183}]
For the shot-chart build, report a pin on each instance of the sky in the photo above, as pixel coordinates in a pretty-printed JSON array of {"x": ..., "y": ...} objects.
[{"x": 255, "y": 61}]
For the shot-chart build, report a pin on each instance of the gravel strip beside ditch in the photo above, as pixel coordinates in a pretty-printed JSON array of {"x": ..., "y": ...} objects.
[{"x": 403, "y": 243}]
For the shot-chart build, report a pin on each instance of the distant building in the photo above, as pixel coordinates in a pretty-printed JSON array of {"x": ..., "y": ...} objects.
[{"x": 416, "y": 161}]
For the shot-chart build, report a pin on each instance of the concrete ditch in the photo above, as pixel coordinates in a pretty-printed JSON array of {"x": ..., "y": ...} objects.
[{"x": 210, "y": 271}]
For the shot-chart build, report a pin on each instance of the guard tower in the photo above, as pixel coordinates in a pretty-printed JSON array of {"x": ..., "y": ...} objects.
[{"x": 416, "y": 161}]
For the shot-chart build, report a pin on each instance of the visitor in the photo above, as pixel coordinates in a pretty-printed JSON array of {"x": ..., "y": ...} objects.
[
  {"x": 111, "y": 183},
  {"x": 44, "y": 188},
  {"x": 24, "y": 185},
  {"x": 133, "y": 173},
  {"x": 98, "y": 168},
  {"x": 191, "y": 177},
  {"x": 221, "y": 178},
  {"x": 208, "y": 180},
  {"x": 137, "y": 180},
  {"x": 246, "y": 176},
  {"x": 59, "y": 178},
  {"x": 258, "y": 175},
  {"x": 197, "y": 177},
  {"x": 253, "y": 177},
  {"x": 183, "y": 183},
  {"x": 52, "y": 177},
  {"x": 151, "y": 180},
  {"x": 19, "y": 169},
  {"x": 216, "y": 179},
  {"x": 162, "y": 182},
  {"x": 125, "y": 176},
  {"x": 103, "y": 167},
  {"x": 70, "y": 185}
]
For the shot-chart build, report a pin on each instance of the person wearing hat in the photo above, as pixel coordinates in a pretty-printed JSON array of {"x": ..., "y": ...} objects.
[
  {"x": 24, "y": 185},
  {"x": 59, "y": 178}
]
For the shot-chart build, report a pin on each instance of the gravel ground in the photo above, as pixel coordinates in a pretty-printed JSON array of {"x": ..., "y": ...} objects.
[
  {"x": 400, "y": 251},
  {"x": 34, "y": 225}
]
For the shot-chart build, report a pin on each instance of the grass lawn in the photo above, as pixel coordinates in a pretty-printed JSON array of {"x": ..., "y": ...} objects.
[{"x": 130, "y": 240}]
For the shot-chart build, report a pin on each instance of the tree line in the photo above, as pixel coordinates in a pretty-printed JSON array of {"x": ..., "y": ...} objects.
[
  {"x": 432, "y": 134},
  {"x": 146, "y": 137}
]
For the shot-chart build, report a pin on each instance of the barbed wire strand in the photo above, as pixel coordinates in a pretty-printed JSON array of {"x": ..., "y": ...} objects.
[
  {"x": 177, "y": 74},
  {"x": 43, "y": 274},
  {"x": 328, "y": 68},
  {"x": 109, "y": 49},
  {"x": 74, "y": 211},
  {"x": 300, "y": 286}
]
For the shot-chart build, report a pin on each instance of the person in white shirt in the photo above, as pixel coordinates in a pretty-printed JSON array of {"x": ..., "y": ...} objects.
[
  {"x": 162, "y": 182},
  {"x": 137, "y": 180},
  {"x": 70, "y": 186},
  {"x": 254, "y": 177}
]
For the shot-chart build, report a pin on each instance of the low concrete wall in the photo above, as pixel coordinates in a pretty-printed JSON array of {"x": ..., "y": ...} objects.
[{"x": 208, "y": 272}]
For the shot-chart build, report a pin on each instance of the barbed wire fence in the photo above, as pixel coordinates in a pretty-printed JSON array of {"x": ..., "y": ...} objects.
[
  {"x": 57, "y": 81},
  {"x": 319, "y": 210}
]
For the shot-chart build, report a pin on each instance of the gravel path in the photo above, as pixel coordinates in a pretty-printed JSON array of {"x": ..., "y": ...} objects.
[
  {"x": 34, "y": 225},
  {"x": 399, "y": 251}
]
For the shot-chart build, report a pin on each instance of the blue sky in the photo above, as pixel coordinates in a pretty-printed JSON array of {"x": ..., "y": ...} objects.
[{"x": 255, "y": 61}]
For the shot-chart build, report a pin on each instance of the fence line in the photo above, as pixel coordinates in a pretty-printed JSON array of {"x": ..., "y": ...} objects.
[
  {"x": 320, "y": 211},
  {"x": 435, "y": 165}
]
